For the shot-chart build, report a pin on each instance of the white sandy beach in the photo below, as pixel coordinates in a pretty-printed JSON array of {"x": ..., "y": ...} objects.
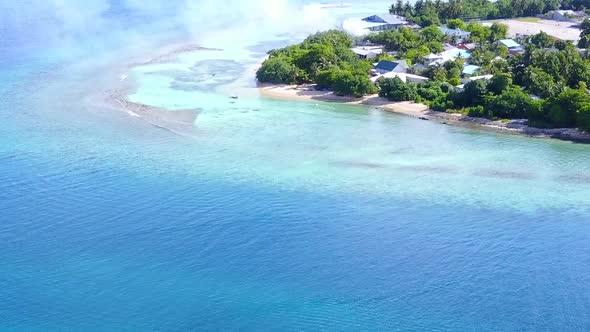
[{"x": 306, "y": 92}]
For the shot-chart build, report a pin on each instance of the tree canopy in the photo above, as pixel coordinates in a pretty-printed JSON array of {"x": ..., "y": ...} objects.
[
  {"x": 546, "y": 84},
  {"x": 426, "y": 12},
  {"x": 324, "y": 58}
]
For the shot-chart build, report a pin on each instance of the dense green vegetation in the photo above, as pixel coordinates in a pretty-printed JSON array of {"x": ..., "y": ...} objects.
[
  {"x": 554, "y": 71},
  {"x": 546, "y": 84},
  {"x": 428, "y": 12},
  {"x": 412, "y": 45},
  {"x": 325, "y": 59},
  {"x": 406, "y": 40},
  {"x": 584, "y": 41}
]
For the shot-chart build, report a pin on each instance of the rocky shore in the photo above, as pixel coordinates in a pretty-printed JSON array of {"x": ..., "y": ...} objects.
[{"x": 519, "y": 126}]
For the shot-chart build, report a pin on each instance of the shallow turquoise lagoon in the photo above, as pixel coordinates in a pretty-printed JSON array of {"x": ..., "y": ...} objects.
[{"x": 271, "y": 214}]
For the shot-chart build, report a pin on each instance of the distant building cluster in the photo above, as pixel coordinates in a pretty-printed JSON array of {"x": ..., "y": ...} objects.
[
  {"x": 565, "y": 15},
  {"x": 458, "y": 47}
]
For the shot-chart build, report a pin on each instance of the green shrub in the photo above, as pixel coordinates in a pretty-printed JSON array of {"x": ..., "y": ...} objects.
[
  {"x": 395, "y": 89},
  {"x": 454, "y": 81},
  {"x": 474, "y": 93},
  {"x": 325, "y": 79},
  {"x": 441, "y": 105},
  {"x": 561, "y": 111},
  {"x": 277, "y": 70},
  {"x": 348, "y": 84},
  {"x": 513, "y": 103},
  {"x": 500, "y": 82},
  {"x": 478, "y": 112},
  {"x": 456, "y": 24}
]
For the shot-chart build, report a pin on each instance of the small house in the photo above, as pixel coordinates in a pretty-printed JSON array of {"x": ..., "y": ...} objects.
[
  {"x": 406, "y": 78},
  {"x": 384, "y": 22},
  {"x": 513, "y": 47},
  {"x": 432, "y": 58},
  {"x": 468, "y": 46},
  {"x": 386, "y": 66},
  {"x": 415, "y": 78},
  {"x": 368, "y": 52},
  {"x": 446, "y": 56},
  {"x": 458, "y": 35},
  {"x": 565, "y": 15},
  {"x": 475, "y": 78},
  {"x": 456, "y": 53}
]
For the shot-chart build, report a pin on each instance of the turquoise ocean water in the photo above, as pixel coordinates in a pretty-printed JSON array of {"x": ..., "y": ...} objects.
[{"x": 271, "y": 214}]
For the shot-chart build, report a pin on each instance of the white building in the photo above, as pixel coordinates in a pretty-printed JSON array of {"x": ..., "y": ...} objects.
[
  {"x": 368, "y": 52},
  {"x": 405, "y": 77},
  {"x": 475, "y": 78},
  {"x": 383, "y": 22},
  {"x": 459, "y": 35},
  {"x": 432, "y": 59},
  {"x": 511, "y": 45},
  {"x": 565, "y": 15}
]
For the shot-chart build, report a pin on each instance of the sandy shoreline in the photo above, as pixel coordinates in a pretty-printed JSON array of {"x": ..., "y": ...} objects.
[
  {"x": 305, "y": 92},
  {"x": 115, "y": 97},
  {"x": 182, "y": 122},
  {"x": 421, "y": 111}
]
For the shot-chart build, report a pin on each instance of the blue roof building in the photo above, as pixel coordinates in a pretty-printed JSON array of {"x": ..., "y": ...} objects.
[
  {"x": 382, "y": 22},
  {"x": 457, "y": 53},
  {"x": 385, "y": 66},
  {"x": 471, "y": 69}
]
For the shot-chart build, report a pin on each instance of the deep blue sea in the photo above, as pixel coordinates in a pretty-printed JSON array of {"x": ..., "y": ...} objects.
[{"x": 268, "y": 214}]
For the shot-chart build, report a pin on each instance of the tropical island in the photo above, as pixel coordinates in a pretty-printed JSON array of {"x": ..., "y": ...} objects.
[{"x": 438, "y": 55}]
